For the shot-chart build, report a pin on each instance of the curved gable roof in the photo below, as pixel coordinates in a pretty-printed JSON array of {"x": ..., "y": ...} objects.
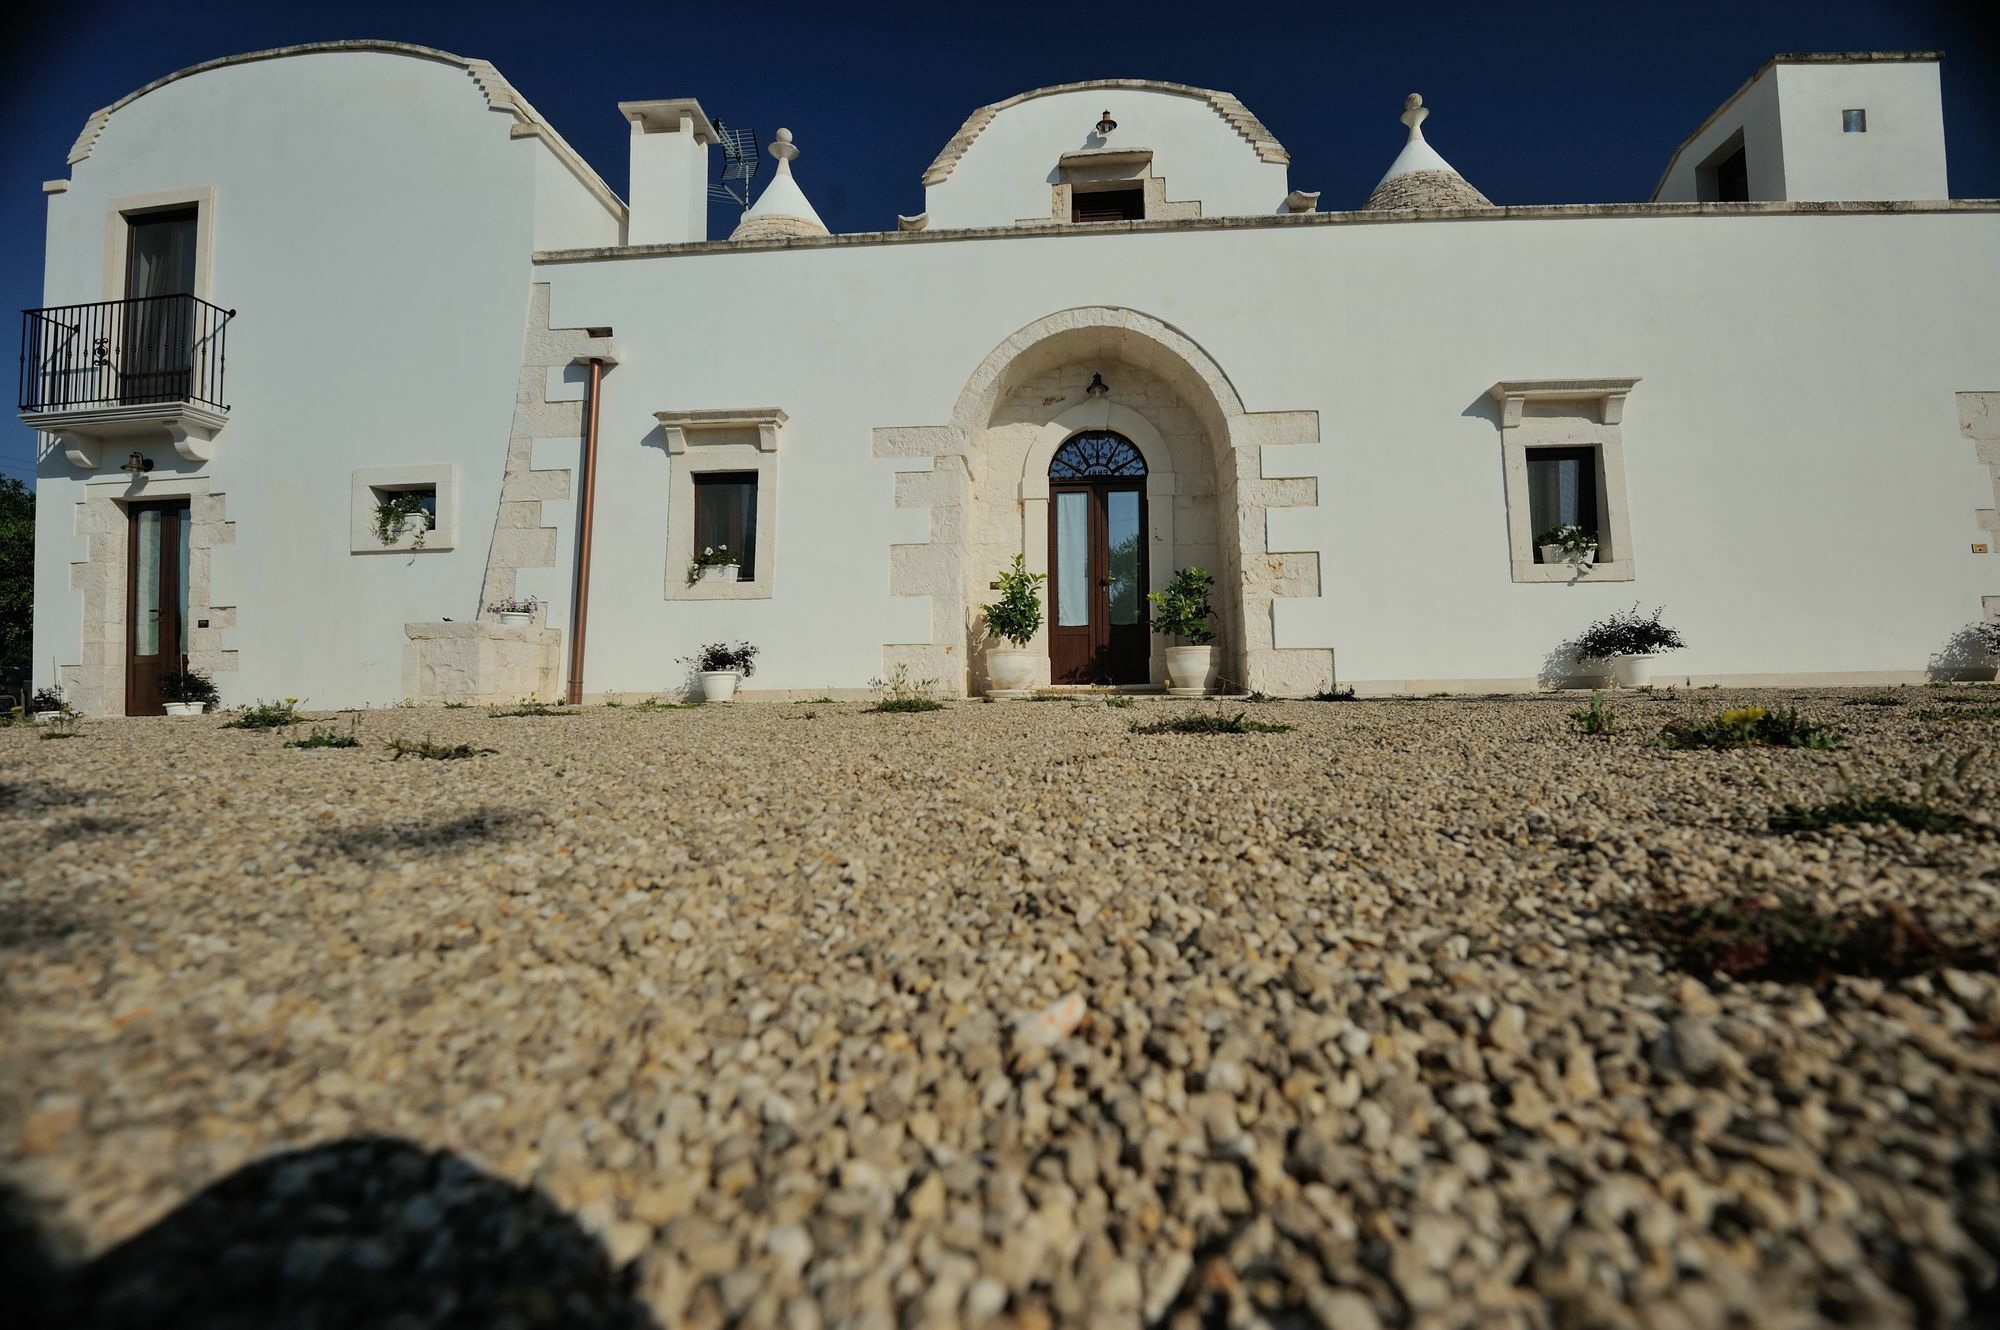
[
  {"x": 1234, "y": 112},
  {"x": 493, "y": 85}
]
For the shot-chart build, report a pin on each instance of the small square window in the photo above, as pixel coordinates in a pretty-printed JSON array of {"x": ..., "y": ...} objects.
[
  {"x": 1562, "y": 491},
  {"x": 1854, "y": 122},
  {"x": 725, "y": 514}
]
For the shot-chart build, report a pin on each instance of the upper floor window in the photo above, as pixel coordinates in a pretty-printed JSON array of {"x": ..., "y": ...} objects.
[
  {"x": 1109, "y": 205},
  {"x": 1854, "y": 122}
]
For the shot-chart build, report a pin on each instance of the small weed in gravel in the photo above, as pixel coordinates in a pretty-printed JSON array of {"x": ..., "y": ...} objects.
[
  {"x": 1209, "y": 723},
  {"x": 456, "y": 706},
  {"x": 1859, "y": 805},
  {"x": 658, "y": 704},
  {"x": 907, "y": 704},
  {"x": 403, "y": 748},
  {"x": 266, "y": 716},
  {"x": 66, "y": 725},
  {"x": 1748, "y": 727},
  {"x": 1874, "y": 700},
  {"x": 1786, "y": 938},
  {"x": 1333, "y": 694},
  {"x": 325, "y": 736},
  {"x": 1120, "y": 703},
  {"x": 1597, "y": 718},
  {"x": 1961, "y": 711},
  {"x": 528, "y": 706}
]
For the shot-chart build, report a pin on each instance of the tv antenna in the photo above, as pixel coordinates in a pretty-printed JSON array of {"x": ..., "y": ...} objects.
[{"x": 739, "y": 165}]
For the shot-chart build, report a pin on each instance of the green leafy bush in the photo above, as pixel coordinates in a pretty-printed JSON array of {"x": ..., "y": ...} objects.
[
  {"x": 1748, "y": 727},
  {"x": 188, "y": 685},
  {"x": 1017, "y": 615},
  {"x": 1626, "y": 633},
  {"x": 900, "y": 693},
  {"x": 1182, "y": 610},
  {"x": 325, "y": 736}
]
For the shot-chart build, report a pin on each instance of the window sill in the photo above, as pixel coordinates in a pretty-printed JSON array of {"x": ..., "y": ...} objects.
[
  {"x": 1616, "y": 570},
  {"x": 758, "y": 590}
]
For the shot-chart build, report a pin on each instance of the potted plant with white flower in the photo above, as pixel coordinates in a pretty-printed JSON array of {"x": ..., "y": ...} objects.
[
  {"x": 1629, "y": 642},
  {"x": 409, "y": 511},
  {"x": 515, "y": 611},
  {"x": 187, "y": 692},
  {"x": 1183, "y": 611},
  {"x": 1014, "y": 619},
  {"x": 715, "y": 563},
  {"x": 719, "y": 667},
  {"x": 1570, "y": 544}
]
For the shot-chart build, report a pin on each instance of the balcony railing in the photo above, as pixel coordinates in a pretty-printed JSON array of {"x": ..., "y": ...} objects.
[{"x": 148, "y": 351}]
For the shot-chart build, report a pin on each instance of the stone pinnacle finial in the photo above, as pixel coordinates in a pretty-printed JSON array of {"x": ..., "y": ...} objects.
[
  {"x": 782, "y": 149},
  {"x": 1414, "y": 112}
]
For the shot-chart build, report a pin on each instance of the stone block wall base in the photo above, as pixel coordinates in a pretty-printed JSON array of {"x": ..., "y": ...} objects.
[{"x": 483, "y": 663}]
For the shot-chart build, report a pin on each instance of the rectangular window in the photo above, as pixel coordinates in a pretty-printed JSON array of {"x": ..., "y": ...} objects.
[
  {"x": 725, "y": 514},
  {"x": 1108, "y": 205},
  {"x": 1854, "y": 122},
  {"x": 1562, "y": 491}
]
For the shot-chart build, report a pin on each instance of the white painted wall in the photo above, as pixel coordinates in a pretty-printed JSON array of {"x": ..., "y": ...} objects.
[
  {"x": 1790, "y": 118},
  {"x": 1900, "y": 157},
  {"x": 1801, "y": 499},
  {"x": 373, "y": 225},
  {"x": 1004, "y": 177}
]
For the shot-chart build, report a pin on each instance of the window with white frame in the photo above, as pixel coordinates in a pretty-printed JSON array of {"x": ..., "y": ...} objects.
[
  {"x": 1563, "y": 459},
  {"x": 722, "y": 487}
]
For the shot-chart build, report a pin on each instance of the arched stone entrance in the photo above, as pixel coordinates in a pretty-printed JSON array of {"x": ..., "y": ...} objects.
[{"x": 1214, "y": 470}]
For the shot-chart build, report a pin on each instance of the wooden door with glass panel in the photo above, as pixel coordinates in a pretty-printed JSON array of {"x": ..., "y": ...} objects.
[
  {"x": 1098, "y": 632},
  {"x": 156, "y": 600}
]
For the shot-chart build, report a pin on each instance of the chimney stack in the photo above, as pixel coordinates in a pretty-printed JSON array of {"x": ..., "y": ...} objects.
[{"x": 668, "y": 193}]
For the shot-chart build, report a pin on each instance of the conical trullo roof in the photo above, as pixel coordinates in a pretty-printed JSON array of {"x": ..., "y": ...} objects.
[
  {"x": 781, "y": 210},
  {"x": 1419, "y": 177}
]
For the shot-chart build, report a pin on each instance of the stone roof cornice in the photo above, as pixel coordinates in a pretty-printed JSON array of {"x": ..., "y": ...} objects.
[
  {"x": 500, "y": 95},
  {"x": 1391, "y": 217},
  {"x": 1226, "y": 105}
]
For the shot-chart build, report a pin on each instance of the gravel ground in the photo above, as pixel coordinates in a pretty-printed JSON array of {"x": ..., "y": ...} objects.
[{"x": 794, "y": 1015}]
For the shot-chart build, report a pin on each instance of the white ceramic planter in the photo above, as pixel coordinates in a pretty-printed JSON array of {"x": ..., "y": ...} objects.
[
  {"x": 1554, "y": 554},
  {"x": 1188, "y": 669},
  {"x": 718, "y": 685},
  {"x": 516, "y": 619},
  {"x": 1011, "y": 669},
  {"x": 183, "y": 708},
  {"x": 1632, "y": 671},
  {"x": 721, "y": 572},
  {"x": 45, "y": 717}
]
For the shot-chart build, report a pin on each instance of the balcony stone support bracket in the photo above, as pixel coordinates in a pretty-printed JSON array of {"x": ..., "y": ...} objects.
[{"x": 85, "y": 436}]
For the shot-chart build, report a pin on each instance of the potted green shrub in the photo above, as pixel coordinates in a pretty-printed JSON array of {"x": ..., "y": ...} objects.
[
  {"x": 719, "y": 667},
  {"x": 187, "y": 692},
  {"x": 47, "y": 704},
  {"x": 1014, "y": 619},
  {"x": 404, "y": 512},
  {"x": 1183, "y": 611},
  {"x": 715, "y": 564},
  {"x": 1569, "y": 544},
  {"x": 515, "y": 611},
  {"x": 1628, "y": 642}
]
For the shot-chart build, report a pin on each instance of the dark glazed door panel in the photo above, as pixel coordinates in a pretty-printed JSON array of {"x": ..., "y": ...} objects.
[
  {"x": 1097, "y": 574},
  {"x": 156, "y": 603}
]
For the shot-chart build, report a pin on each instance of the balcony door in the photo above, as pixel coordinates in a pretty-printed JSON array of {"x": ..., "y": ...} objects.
[
  {"x": 156, "y": 599},
  {"x": 157, "y": 339},
  {"x": 1098, "y": 632}
]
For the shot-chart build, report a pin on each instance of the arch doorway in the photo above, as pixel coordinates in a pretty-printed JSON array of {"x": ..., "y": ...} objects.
[{"x": 1098, "y": 631}]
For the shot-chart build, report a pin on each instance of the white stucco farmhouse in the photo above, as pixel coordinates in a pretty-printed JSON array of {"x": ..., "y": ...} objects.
[{"x": 343, "y": 345}]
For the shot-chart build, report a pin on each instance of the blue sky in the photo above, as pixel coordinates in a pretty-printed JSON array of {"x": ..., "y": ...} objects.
[{"x": 1551, "y": 103}]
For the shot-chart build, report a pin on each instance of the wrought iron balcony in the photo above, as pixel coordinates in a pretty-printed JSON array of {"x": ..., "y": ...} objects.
[{"x": 124, "y": 367}]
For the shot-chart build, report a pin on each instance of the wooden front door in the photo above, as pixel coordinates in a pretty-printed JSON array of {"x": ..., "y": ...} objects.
[
  {"x": 156, "y": 599},
  {"x": 1098, "y": 632}
]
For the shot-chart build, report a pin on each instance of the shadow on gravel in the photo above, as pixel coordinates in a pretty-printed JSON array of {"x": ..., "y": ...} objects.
[
  {"x": 398, "y": 839},
  {"x": 365, "y": 1232}
]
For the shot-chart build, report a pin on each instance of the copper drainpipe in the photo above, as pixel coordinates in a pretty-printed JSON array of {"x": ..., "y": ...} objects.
[{"x": 579, "y": 612}]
